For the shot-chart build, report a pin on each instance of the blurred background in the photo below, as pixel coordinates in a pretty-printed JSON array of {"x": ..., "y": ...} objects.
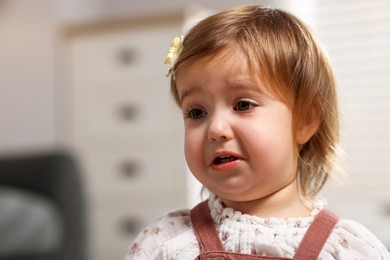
[{"x": 91, "y": 142}]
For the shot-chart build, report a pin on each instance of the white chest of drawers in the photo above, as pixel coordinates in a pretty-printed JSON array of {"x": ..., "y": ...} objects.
[{"x": 124, "y": 127}]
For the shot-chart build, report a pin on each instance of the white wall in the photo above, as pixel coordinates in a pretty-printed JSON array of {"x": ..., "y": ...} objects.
[
  {"x": 27, "y": 104},
  {"x": 90, "y": 10}
]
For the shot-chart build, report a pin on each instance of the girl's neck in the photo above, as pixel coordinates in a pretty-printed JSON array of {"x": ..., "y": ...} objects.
[{"x": 279, "y": 204}]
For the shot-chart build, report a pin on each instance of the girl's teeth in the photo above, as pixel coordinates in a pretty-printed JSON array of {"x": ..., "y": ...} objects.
[{"x": 226, "y": 159}]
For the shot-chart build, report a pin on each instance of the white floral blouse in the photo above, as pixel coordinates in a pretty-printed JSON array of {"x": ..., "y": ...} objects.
[{"x": 172, "y": 236}]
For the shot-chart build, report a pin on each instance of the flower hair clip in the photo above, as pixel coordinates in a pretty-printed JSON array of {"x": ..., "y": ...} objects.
[{"x": 174, "y": 52}]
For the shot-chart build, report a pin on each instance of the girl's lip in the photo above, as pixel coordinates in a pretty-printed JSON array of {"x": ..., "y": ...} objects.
[{"x": 220, "y": 154}]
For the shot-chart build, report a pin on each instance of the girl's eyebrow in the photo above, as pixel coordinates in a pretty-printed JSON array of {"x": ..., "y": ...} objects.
[
  {"x": 187, "y": 93},
  {"x": 248, "y": 86},
  {"x": 234, "y": 86},
  {"x": 245, "y": 86}
]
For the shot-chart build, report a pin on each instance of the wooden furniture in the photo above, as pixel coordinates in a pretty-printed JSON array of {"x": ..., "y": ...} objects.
[{"x": 124, "y": 126}]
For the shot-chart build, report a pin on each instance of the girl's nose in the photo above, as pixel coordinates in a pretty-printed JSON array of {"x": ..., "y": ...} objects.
[{"x": 219, "y": 129}]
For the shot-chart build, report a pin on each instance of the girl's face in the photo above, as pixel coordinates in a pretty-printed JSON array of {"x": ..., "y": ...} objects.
[{"x": 238, "y": 138}]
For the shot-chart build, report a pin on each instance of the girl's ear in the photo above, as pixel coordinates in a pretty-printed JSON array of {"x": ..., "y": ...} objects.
[{"x": 307, "y": 128}]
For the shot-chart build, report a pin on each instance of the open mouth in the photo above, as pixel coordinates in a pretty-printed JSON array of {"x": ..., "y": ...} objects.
[{"x": 224, "y": 159}]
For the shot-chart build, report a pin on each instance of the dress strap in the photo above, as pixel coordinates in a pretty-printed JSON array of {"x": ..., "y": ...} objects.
[
  {"x": 210, "y": 244},
  {"x": 316, "y": 236},
  {"x": 204, "y": 227}
]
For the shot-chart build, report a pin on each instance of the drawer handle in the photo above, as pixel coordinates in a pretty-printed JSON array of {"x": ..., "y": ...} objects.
[
  {"x": 130, "y": 225},
  {"x": 127, "y": 56},
  {"x": 129, "y": 169},
  {"x": 386, "y": 209},
  {"x": 128, "y": 112}
]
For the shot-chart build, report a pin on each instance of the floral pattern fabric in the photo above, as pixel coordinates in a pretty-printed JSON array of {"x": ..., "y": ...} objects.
[{"x": 172, "y": 237}]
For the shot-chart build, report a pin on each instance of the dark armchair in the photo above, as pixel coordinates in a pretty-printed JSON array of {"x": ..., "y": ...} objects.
[{"x": 52, "y": 181}]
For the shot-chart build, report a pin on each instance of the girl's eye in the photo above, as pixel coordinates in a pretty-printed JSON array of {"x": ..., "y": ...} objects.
[
  {"x": 196, "y": 113},
  {"x": 243, "y": 106}
]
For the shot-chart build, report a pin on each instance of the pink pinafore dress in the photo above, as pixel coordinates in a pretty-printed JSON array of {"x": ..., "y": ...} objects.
[{"x": 212, "y": 249}]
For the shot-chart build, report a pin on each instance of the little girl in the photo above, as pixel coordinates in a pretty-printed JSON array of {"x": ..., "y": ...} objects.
[{"x": 261, "y": 130}]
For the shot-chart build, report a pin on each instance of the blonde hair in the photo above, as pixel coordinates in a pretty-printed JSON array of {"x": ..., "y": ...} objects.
[{"x": 283, "y": 53}]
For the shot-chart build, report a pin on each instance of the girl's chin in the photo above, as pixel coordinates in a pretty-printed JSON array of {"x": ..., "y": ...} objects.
[{"x": 233, "y": 194}]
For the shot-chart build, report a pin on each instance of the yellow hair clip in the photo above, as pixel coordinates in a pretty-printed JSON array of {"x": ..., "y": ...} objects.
[{"x": 174, "y": 52}]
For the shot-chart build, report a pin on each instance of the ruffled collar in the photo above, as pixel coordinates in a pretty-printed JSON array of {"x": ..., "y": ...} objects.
[{"x": 224, "y": 215}]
